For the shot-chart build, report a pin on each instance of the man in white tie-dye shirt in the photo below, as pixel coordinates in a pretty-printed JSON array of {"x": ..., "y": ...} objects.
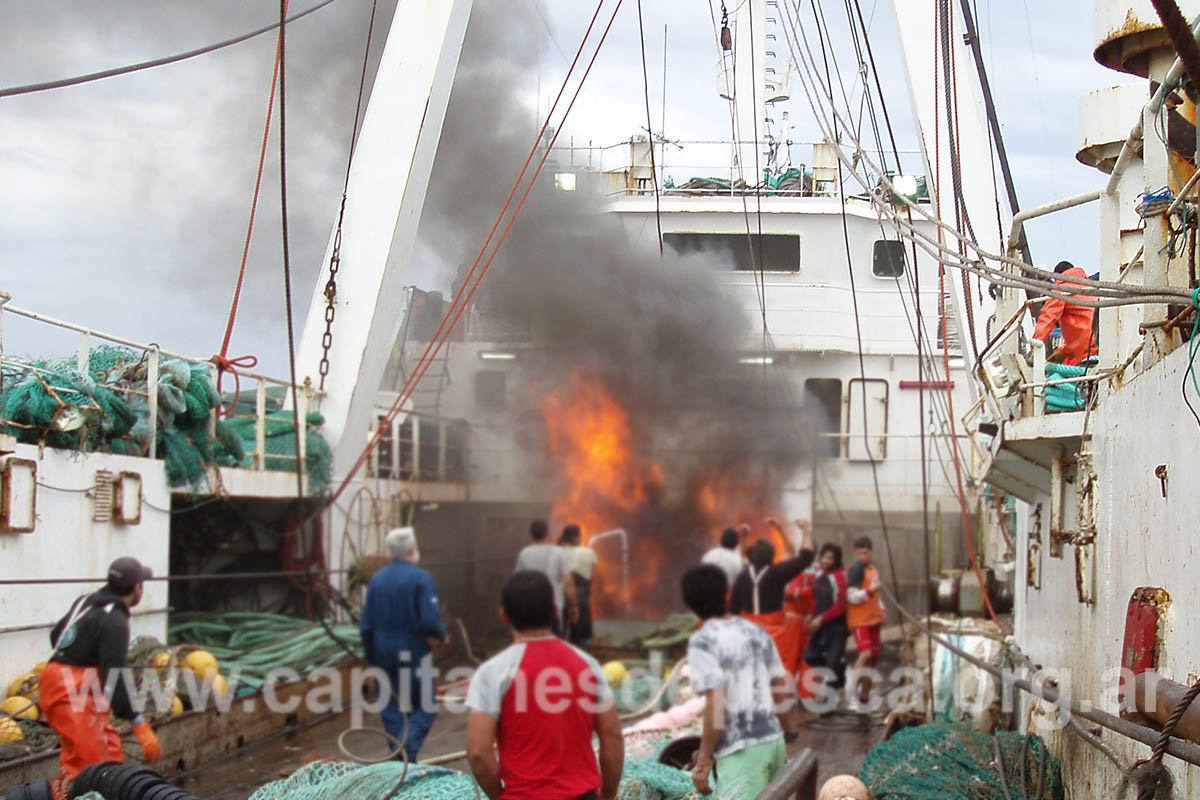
[{"x": 735, "y": 666}]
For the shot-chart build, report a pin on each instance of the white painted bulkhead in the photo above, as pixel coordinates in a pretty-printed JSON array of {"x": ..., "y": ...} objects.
[
  {"x": 1143, "y": 539},
  {"x": 67, "y": 543}
]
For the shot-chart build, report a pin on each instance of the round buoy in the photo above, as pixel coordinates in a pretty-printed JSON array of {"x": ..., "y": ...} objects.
[
  {"x": 10, "y": 731},
  {"x": 219, "y": 685},
  {"x": 844, "y": 787},
  {"x": 615, "y": 672},
  {"x": 202, "y": 663},
  {"x": 22, "y": 686},
  {"x": 176, "y": 706},
  {"x": 19, "y": 707},
  {"x": 161, "y": 660}
]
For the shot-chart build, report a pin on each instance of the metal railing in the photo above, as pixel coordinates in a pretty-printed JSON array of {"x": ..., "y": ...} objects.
[
  {"x": 153, "y": 355},
  {"x": 421, "y": 448}
]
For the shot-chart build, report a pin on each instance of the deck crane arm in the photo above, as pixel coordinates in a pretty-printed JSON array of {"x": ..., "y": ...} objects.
[{"x": 389, "y": 175}]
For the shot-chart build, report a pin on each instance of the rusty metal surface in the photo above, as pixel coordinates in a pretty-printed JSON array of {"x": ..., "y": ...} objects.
[
  {"x": 1158, "y": 697},
  {"x": 1124, "y": 47},
  {"x": 1139, "y": 650}
]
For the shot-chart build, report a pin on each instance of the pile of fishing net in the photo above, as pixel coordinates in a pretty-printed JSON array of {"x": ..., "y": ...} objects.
[
  {"x": 104, "y": 408},
  {"x": 36, "y": 737},
  {"x": 643, "y": 779},
  {"x": 250, "y": 644},
  {"x": 280, "y": 444},
  {"x": 1066, "y": 396},
  {"x": 336, "y": 780},
  {"x": 950, "y": 761}
]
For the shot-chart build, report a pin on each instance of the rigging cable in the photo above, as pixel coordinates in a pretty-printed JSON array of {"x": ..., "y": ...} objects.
[
  {"x": 862, "y": 368},
  {"x": 301, "y": 425},
  {"x": 222, "y": 360},
  {"x": 650, "y": 130},
  {"x": 90, "y": 77}
]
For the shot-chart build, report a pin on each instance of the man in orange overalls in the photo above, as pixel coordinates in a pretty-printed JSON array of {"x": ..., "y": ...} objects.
[
  {"x": 758, "y": 592},
  {"x": 74, "y": 691},
  {"x": 1074, "y": 320}
]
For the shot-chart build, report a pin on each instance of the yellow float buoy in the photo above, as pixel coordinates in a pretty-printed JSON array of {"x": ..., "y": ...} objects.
[
  {"x": 10, "y": 731},
  {"x": 161, "y": 660},
  {"x": 615, "y": 672},
  {"x": 202, "y": 663},
  {"x": 18, "y": 687},
  {"x": 176, "y": 706},
  {"x": 219, "y": 685},
  {"x": 19, "y": 707}
]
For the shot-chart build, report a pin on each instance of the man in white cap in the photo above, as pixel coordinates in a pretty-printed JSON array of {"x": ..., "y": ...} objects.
[{"x": 401, "y": 622}]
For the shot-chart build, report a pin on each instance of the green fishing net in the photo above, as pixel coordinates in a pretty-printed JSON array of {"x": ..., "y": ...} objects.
[
  {"x": 950, "y": 761},
  {"x": 104, "y": 409}
]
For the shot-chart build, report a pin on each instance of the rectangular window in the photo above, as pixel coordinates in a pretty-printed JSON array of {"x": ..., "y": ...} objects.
[
  {"x": 887, "y": 259},
  {"x": 866, "y": 421},
  {"x": 777, "y": 252},
  {"x": 823, "y": 398}
]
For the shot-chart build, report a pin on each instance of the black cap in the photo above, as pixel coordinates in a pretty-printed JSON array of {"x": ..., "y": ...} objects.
[{"x": 127, "y": 572}]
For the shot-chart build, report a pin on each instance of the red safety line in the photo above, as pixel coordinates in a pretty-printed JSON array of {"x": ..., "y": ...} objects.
[{"x": 222, "y": 360}]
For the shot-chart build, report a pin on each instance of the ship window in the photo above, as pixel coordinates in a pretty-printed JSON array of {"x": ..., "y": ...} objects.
[
  {"x": 490, "y": 385},
  {"x": 824, "y": 397},
  {"x": 887, "y": 260},
  {"x": 779, "y": 253}
]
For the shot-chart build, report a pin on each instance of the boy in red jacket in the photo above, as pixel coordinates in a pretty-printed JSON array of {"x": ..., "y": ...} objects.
[{"x": 827, "y": 640}]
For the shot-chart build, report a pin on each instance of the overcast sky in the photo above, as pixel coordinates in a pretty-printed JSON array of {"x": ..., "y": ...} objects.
[{"x": 124, "y": 202}]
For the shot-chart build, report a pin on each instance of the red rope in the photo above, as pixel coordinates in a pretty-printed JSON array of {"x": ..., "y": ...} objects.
[
  {"x": 223, "y": 362},
  {"x": 461, "y": 300}
]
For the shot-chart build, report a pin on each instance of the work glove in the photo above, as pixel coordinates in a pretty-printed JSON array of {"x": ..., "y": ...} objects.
[{"x": 148, "y": 739}]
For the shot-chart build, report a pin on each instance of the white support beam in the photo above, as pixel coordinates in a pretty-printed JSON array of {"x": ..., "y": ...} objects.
[{"x": 389, "y": 177}]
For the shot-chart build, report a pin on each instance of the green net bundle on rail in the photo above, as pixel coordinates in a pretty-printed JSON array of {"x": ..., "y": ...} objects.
[
  {"x": 950, "y": 761},
  {"x": 104, "y": 408}
]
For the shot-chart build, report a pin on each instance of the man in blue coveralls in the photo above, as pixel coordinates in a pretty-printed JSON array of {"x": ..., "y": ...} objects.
[{"x": 401, "y": 622}]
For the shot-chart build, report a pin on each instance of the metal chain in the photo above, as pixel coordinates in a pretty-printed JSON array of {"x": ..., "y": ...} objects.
[
  {"x": 335, "y": 262},
  {"x": 335, "y": 258}
]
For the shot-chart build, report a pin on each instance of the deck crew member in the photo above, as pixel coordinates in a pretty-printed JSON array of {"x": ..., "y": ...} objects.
[
  {"x": 726, "y": 555},
  {"x": 535, "y": 707},
  {"x": 827, "y": 625},
  {"x": 1075, "y": 321},
  {"x": 551, "y": 561},
  {"x": 758, "y": 592},
  {"x": 581, "y": 560},
  {"x": 401, "y": 623},
  {"x": 74, "y": 692}
]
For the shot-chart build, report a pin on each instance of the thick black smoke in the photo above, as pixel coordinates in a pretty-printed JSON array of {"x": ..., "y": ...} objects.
[{"x": 660, "y": 332}]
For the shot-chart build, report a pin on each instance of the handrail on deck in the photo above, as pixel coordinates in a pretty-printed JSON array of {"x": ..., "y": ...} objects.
[{"x": 154, "y": 353}]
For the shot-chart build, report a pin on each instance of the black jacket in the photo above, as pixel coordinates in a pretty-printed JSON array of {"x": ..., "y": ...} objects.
[
  {"x": 770, "y": 585},
  {"x": 98, "y": 638}
]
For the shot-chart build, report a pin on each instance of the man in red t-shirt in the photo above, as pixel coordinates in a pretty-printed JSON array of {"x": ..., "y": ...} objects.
[{"x": 538, "y": 702}]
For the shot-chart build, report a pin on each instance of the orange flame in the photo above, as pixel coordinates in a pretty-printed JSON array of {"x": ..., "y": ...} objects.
[
  {"x": 728, "y": 500},
  {"x": 605, "y": 483},
  {"x": 609, "y": 481}
]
